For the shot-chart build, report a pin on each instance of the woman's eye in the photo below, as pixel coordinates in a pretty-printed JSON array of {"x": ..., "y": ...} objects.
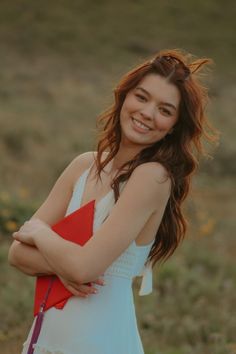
[
  {"x": 141, "y": 97},
  {"x": 166, "y": 111}
]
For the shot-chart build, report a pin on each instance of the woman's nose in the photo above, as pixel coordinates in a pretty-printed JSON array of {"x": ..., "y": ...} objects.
[{"x": 148, "y": 112}]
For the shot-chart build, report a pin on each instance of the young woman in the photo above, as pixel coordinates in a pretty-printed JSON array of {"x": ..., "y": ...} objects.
[{"x": 147, "y": 152}]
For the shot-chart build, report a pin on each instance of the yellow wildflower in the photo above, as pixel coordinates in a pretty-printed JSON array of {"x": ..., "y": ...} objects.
[
  {"x": 23, "y": 193},
  {"x": 6, "y": 213},
  {"x": 208, "y": 227},
  {"x": 11, "y": 225}
]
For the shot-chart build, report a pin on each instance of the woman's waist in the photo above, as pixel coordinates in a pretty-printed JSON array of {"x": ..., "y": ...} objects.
[{"x": 116, "y": 293}]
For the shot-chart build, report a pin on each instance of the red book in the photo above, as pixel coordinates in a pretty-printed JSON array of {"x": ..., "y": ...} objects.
[{"x": 76, "y": 227}]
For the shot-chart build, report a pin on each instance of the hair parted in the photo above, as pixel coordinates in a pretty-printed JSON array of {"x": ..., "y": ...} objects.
[{"x": 179, "y": 152}]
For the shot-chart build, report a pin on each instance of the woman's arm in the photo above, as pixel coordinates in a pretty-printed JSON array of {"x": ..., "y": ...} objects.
[
  {"x": 29, "y": 259},
  {"x": 145, "y": 193},
  {"x": 32, "y": 263}
]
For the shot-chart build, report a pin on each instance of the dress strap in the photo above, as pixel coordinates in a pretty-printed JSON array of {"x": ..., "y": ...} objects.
[
  {"x": 80, "y": 184},
  {"x": 146, "y": 284}
]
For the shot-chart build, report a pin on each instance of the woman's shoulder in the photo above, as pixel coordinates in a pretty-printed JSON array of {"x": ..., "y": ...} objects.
[
  {"x": 82, "y": 162},
  {"x": 153, "y": 168},
  {"x": 85, "y": 159}
]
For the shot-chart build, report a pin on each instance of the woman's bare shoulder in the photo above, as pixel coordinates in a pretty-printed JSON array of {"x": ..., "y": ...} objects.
[
  {"x": 82, "y": 162},
  {"x": 84, "y": 159},
  {"x": 154, "y": 168}
]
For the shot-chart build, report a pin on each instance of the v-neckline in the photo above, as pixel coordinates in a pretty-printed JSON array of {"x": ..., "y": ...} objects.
[{"x": 97, "y": 203}]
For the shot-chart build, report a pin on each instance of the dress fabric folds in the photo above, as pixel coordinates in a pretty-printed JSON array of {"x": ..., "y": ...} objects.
[{"x": 103, "y": 323}]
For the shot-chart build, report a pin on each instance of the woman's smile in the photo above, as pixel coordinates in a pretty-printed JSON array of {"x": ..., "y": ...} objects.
[{"x": 139, "y": 126}]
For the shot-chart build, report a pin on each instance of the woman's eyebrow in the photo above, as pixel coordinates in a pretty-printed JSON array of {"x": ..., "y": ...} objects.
[
  {"x": 142, "y": 89},
  {"x": 164, "y": 103}
]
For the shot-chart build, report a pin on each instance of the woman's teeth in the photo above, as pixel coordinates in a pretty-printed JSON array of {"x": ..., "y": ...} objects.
[{"x": 136, "y": 122}]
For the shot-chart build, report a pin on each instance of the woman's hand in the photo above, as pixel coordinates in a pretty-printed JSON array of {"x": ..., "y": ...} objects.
[
  {"x": 29, "y": 230},
  {"x": 83, "y": 290}
]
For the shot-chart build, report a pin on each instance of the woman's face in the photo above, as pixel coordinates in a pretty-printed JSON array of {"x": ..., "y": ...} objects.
[{"x": 154, "y": 102}]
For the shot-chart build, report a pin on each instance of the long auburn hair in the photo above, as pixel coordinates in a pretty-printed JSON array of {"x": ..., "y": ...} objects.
[{"x": 179, "y": 152}]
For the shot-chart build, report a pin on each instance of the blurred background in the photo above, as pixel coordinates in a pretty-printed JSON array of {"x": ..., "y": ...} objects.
[{"x": 59, "y": 62}]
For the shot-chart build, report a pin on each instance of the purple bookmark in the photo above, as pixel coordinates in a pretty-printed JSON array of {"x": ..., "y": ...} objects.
[{"x": 39, "y": 320}]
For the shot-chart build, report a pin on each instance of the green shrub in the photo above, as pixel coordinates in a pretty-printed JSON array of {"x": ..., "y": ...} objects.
[{"x": 14, "y": 211}]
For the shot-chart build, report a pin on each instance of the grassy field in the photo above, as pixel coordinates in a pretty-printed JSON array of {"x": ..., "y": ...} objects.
[{"x": 60, "y": 61}]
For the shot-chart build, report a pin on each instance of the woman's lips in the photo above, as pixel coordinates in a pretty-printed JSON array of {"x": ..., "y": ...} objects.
[{"x": 139, "y": 128}]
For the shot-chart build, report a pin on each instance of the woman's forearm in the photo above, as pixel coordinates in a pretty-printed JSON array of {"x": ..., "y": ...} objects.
[
  {"x": 28, "y": 260},
  {"x": 62, "y": 256}
]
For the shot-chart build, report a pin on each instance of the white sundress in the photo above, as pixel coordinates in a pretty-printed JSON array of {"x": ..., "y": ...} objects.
[{"x": 103, "y": 323}]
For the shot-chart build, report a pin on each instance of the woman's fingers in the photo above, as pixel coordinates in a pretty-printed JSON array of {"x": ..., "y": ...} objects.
[
  {"x": 99, "y": 281},
  {"x": 87, "y": 289},
  {"x": 80, "y": 290},
  {"x": 76, "y": 292},
  {"x": 83, "y": 290}
]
